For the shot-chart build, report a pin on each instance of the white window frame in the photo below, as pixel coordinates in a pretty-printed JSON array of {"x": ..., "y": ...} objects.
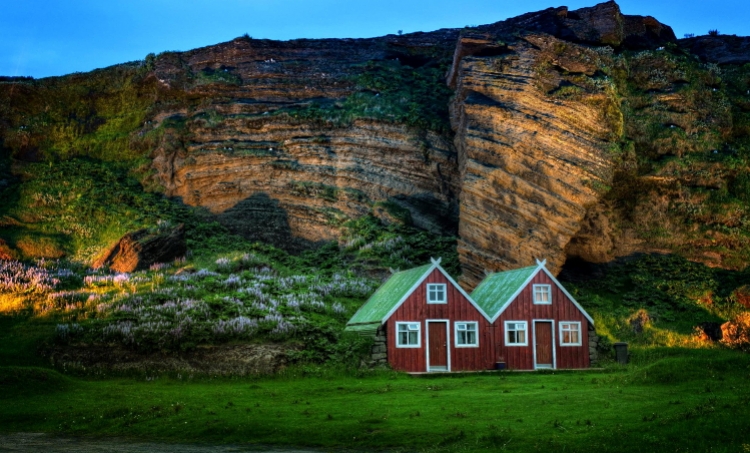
[
  {"x": 456, "y": 335},
  {"x": 507, "y": 333},
  {"x": 542, "y": 287},
  {"x": 437, "y": 287},
  {"x": 418, "y": 330},
  {"x": 562, "y": 331}
]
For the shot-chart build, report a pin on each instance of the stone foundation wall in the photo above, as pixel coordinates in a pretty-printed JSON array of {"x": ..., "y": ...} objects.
[{"x": 379, "y": 354}]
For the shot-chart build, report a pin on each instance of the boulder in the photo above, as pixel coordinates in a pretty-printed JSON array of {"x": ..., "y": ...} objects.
[
  {"x": 602, "y": 24},
  {"x": 721, "y": 49},
  {"x": 140, "y": 249},
  {"x": 6, "y": 253}
]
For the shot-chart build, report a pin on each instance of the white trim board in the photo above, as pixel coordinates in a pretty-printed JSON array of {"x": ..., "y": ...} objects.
[
  {"x": 463, "y": 293},
  {"x": 447, "y": 342},
  {"x": 565, "y": 291},
  {"x": 435, "y": 265},
  {"x": 514, "y": 295},
  {"x": 541, "y": 267},
  {"x": 408, "y": 293}
]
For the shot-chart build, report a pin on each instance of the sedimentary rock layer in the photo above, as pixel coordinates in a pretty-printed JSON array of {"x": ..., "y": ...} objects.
[
  {"x": 245, "y": 153},
  {"x": 530, "y": 163}
]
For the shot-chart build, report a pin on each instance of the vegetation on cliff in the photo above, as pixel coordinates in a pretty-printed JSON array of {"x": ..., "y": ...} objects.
[
  {"x": 686, "y": 156},
  {"x": 390, "y": 91}
]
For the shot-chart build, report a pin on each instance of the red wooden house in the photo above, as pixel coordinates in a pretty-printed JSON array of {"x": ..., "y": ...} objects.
[
  {"x": 536, "y": 323},
  {"x": 431, "y": 324}
]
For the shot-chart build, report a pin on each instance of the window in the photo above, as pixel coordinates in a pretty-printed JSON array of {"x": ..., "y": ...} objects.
[
  {"x": 436, "y": 293},
  {"x": 467, "y": 334},
  {"x": 542, "y": 294},
  {"x": 515, "y": 333},
  {"x": 570, "y": 333},
  {"x": 408, "y": 335}
]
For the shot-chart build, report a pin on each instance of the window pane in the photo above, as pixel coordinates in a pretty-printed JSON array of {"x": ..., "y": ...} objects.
[
  {"x": 412, "y": 337},
  {"x": 436, "y": 293},
  {"x": 521, "y": 336},
  {"x": 542, "y": 294},
  {"x": 471, "y": 337}
]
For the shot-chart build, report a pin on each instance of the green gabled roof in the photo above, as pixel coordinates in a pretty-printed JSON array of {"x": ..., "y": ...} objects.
[
  {"x": 388, "y": 296},
  {"x": 497, "y": 289}
]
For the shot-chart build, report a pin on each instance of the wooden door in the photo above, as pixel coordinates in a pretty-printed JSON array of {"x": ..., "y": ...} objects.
[
  {"x": 438, "y": 345},
  {"x": 543, "y": 343}
]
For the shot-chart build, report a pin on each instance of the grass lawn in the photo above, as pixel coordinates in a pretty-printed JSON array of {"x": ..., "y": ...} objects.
[{"x": 667, "y": 400}]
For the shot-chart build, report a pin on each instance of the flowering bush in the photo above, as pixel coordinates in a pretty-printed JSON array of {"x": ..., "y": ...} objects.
[
  {"x": 16, "y": 277},
  {"x": 203, "y": 306}
]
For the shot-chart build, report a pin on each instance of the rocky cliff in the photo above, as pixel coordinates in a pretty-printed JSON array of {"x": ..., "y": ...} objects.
[
  {"x": 290, "y": 139},
  {"x": 556, "y": 134}
]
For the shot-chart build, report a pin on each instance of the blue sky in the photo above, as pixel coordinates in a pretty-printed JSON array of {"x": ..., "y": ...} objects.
[{"x": 54, "y": 37}]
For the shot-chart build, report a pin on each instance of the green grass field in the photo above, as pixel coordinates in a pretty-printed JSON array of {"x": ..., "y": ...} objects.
[{"x": 666, "y": 400}]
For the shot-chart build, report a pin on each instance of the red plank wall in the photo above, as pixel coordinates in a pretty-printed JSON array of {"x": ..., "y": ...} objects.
[
  {"x": 458, "y": 308},
  {"x": 561, "y": 309}
]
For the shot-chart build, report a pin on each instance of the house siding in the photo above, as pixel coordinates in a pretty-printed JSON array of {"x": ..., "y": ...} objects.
[
  {"x": 523, "y": 309},
  {"x": 416, "y": 309}
]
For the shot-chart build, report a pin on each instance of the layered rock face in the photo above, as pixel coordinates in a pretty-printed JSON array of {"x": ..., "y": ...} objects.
[
  {"x": 268, "y": 152},
  {"x": 524, "y": 166},
  {"x": 530, "y": 163},
  {"x": 554, "y": 134},
  {"x": 536, "y": 125}
]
